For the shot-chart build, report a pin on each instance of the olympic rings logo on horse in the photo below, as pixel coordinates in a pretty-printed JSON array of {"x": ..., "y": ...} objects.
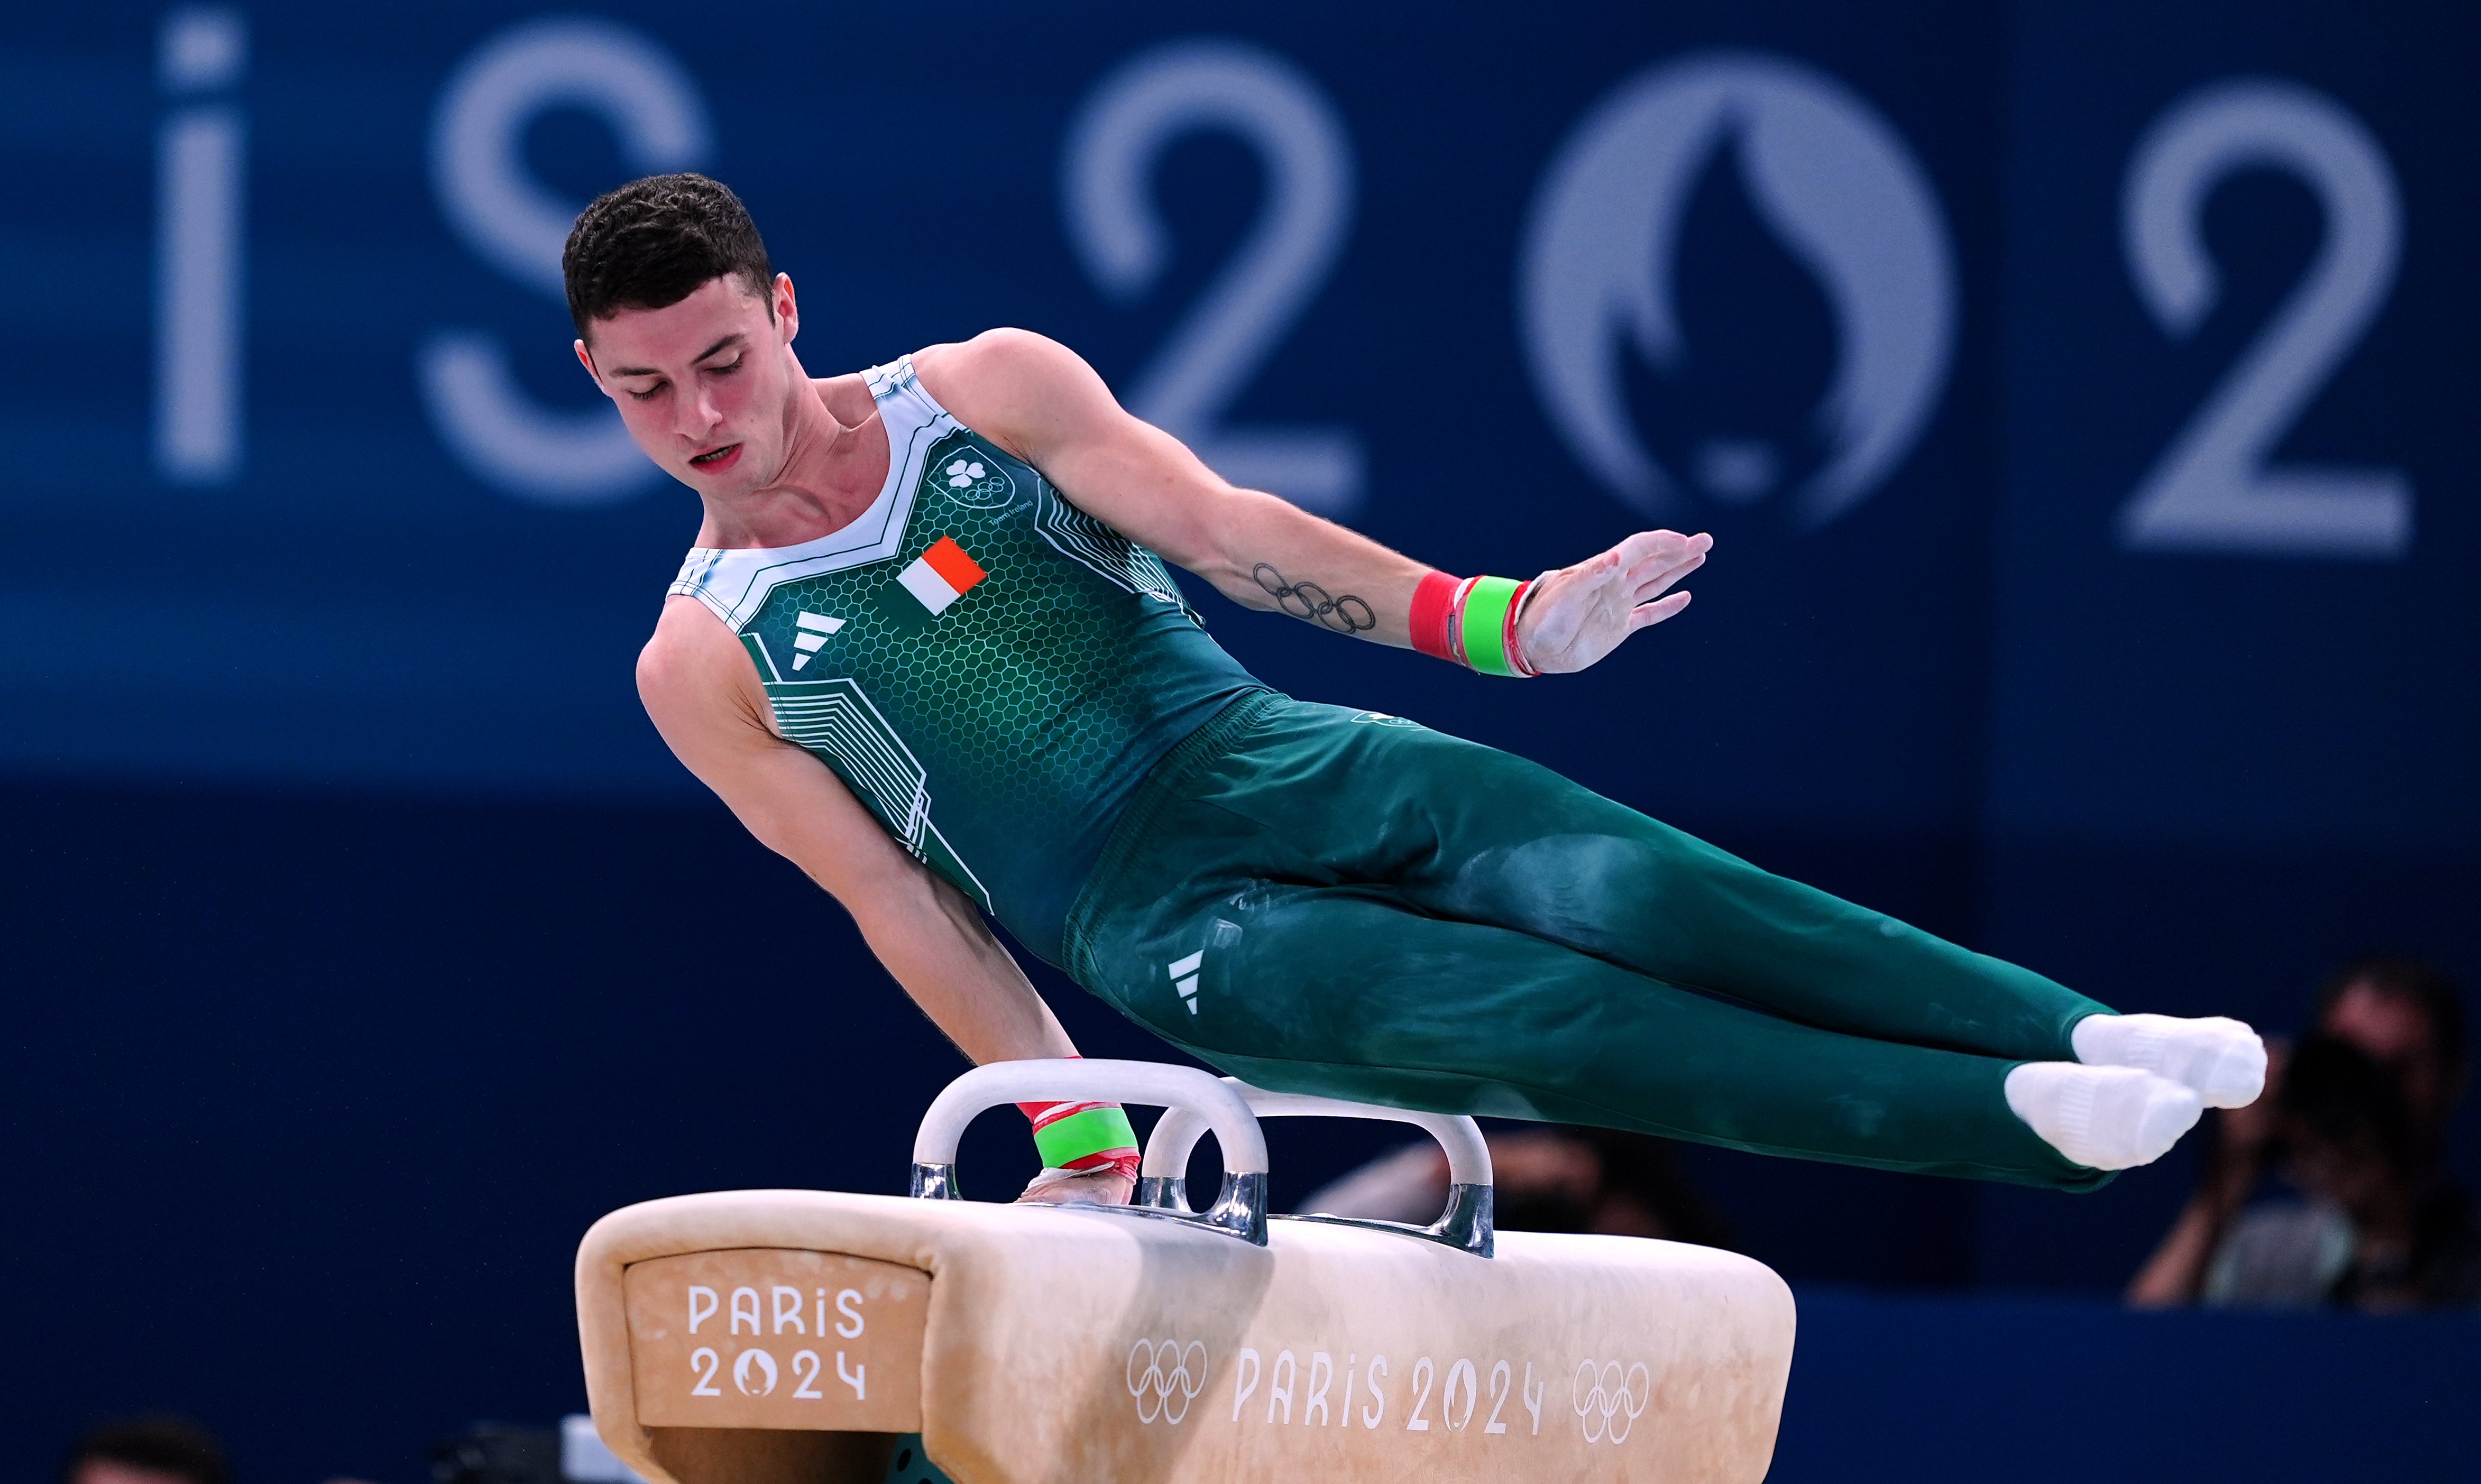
[
  {"x": 1170, "y": 1380},
  {"x": 1616, "y": 1400}
]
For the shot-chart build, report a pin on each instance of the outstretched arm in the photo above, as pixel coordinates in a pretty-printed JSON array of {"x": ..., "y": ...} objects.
[{"x": 1051, "y": 409}]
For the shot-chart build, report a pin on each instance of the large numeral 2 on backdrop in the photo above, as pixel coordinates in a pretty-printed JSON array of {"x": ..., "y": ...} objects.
[
  {"x": 477, "y": 169},
  {"x": 2213, "y": 489},
  {"x": 1105, "y": 181}
]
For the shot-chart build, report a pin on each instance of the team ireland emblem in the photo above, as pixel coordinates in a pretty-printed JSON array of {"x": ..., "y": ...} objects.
[{"x": 969, "y": 476}]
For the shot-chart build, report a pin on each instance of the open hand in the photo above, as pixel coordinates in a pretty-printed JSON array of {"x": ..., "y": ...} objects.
[{"x": 1577, "y": 614}]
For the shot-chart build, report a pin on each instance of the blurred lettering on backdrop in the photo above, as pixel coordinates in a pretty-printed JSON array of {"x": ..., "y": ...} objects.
[
  {"x": 2085, "y": 427},
  {"x": 320, "y": 498},
  {"x": 2081, "y": 398},
  {"x": 1495, "y": 300}
]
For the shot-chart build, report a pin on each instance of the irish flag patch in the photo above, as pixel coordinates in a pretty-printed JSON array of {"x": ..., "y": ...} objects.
[{"x": 925, "y": 589}]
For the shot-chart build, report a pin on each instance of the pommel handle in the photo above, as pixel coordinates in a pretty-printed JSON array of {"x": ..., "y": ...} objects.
[
  {"x": 1465, "y": 1225},
  {"x": 1205, "y": 1101}
]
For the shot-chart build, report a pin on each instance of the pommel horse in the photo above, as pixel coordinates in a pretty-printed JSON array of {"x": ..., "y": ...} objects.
[{"x": 793, "y": 1337}]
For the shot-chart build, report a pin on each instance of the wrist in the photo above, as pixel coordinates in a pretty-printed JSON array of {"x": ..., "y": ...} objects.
[
  {"x": 1080, "y": 1136},
  {"x": 1471, "y": 621}
]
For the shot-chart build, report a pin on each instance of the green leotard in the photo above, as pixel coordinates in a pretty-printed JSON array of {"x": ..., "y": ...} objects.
[
  {"x": 1332, "y": 901},
  {"x": 999, "y": 738}
]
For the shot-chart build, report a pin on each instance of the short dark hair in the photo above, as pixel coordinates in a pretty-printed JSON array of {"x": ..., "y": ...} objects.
[
  {"x": 654, "y": 242},
  {"x": 2422, "y": 984},
  {"x": 163, "y": 1444}
]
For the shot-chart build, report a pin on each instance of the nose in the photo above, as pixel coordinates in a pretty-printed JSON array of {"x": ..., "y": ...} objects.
[{"x": 696, "y": 416}]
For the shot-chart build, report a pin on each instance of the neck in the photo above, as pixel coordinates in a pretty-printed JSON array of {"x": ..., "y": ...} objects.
[{"x": 831, "y": 472}]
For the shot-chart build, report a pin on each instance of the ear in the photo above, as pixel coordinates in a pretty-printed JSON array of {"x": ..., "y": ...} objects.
[
  {"x": 585, "y": 358},
  {"x": 788, "y": 312}
]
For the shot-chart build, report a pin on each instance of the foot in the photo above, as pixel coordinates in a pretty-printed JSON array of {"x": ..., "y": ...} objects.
[
  {"x": 2103, "y": 1118},
  {"x": 2221, "y": 1058}
]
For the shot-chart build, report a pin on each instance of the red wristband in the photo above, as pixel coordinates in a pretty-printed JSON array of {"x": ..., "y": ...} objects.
[
  {"x": 1434, "y": 613},
  {"x": 1509, "y": 645}
]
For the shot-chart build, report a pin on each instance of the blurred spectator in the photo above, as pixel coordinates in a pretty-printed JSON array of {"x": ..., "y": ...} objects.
[
  {"x": 2355, "y": 1121},
  {"x": 146, "y": 1450},
  {"x": 1553, "y": 1179},
  {"x": 497, "y": 1453}
]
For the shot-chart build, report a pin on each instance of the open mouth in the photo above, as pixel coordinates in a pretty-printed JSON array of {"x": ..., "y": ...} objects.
[{"x": 715, "y": 459}]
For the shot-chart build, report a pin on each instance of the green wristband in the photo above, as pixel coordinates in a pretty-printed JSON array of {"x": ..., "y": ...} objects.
[
  {"x": 1485, "y": 624},
  {"x": 1094, "y": 1132}
]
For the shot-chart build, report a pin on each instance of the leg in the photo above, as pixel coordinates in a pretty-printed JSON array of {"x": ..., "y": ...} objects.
[
  {"x": 1464, "y": 831},
  {"x": 1342, "y": 991}
]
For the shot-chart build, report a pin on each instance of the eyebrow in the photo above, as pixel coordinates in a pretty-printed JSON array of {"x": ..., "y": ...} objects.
[{"x": 650, "y": 371}]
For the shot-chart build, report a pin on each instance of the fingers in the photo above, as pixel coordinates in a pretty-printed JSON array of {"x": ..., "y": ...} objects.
[
  {"x": 1647, "y": 583},
  {"x": 1638, "y": 560},
  {"x": 1645, "y": 615},
  {"x": 1651, "y": 561},
  {"x": 1661, "y": 545},
  {"x": 1625, "y": 584},
  {"x": 1098, "y": 1187}
]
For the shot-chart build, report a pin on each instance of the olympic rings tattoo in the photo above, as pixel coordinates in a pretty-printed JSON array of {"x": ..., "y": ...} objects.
[
  {"x": 1162, "y": 1393},
  {"x": 1615, "y": 1401},
  {"x": 1346, "y": 615}
]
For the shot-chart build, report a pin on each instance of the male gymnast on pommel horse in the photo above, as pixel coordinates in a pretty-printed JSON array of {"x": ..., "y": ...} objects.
[{"x": 927, "y": 648}]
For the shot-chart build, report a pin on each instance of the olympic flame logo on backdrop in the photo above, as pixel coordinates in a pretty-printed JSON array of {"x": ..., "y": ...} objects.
[{"x": 1831, "y": 180}]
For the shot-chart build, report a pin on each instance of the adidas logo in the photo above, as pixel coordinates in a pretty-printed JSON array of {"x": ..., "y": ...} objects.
[
  {"x": 814, "y": 631},
  {"x": 1184, "y": 975}
]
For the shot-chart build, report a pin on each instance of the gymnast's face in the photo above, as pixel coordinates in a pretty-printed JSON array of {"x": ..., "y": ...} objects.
[{"x": 705, "y": 385}]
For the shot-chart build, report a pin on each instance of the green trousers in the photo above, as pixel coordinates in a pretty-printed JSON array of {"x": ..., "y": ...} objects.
[{"x": 1341, "y": 902}]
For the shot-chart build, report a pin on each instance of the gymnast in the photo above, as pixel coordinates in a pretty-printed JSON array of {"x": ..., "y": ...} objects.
[{"x": 927, "y": 648}]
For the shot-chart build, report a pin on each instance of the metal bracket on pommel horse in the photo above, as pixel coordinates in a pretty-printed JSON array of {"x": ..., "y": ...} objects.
[{"x": 793, "y": 1337}]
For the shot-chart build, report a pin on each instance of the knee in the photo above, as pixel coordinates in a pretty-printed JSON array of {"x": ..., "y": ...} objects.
[{"x": 1574, "y": 889}]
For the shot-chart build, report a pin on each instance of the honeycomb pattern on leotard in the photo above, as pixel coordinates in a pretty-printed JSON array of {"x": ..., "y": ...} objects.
[{"x": 1035, "y": 701}]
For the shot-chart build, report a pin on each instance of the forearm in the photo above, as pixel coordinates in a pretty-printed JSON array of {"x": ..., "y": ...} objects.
[
  {"x": 943, "y": 954},
  {"x": 941, "y": 950},
  {"x": 935, "y": 944},
  {"x": 1270, "y": 555}
]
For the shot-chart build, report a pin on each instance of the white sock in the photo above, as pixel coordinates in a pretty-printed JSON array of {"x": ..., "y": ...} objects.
[
  {"x": 2105, "y": 1118},
  {"x": 2220, "y": 1057}
]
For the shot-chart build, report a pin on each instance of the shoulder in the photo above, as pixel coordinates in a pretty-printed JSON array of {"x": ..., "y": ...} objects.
[
  {"x": 1002, "y": 354},
  {"x": 1024, "y": 389},
  {"x": 691, "y": 663}
]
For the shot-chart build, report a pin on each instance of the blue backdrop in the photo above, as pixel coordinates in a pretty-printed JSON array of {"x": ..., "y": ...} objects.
[{"x": 2080, "y": 398}]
